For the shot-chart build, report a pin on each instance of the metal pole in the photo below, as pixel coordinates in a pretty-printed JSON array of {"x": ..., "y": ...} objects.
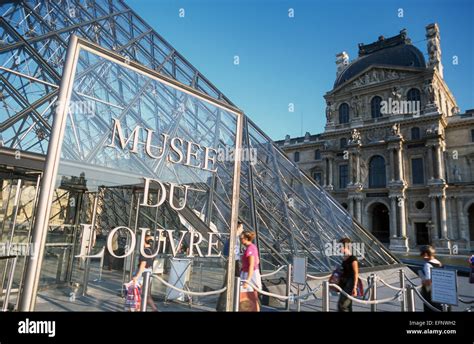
[
  {"x": 325, "y": 296},
  {"x": 236, "y": 293},
  {"x": 401, "y": 274},
  {"x": 373, "y": 294},
  {"x": 146, "y": 284},
  {"x": 234, "y": 214},
  {"x": 9, "y": 285},
  {"x": 410, "y": 299},
  {"x": 298, "y": 301},
  {"x": 16, "y": 204},
  {"x": 89, "y": 245},
  {"x": 33, "y": 270},
  {"x": 288, "y": 286}
]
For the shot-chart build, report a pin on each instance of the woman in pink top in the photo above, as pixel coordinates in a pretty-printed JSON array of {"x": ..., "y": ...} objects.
[{"x": 250, "y": 264}]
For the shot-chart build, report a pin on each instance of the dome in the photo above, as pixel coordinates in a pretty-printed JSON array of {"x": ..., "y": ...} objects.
[{"x": 401, "y": 55}]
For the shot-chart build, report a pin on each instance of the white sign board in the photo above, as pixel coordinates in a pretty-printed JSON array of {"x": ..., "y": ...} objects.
[
  {"x": 299, "y": 270},
  {"x": 180, "y": 274},
  {"x": 444, "y": 287}
]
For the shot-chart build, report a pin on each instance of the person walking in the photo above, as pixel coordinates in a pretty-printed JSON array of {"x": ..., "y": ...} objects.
[
  {"x": 145, "y": 264},
  {"x": 349, "y": 276},
  {"x": 250, "y": 271},
  {"x": 220, "y": 307},
  {"x": 428, "y": 254}
]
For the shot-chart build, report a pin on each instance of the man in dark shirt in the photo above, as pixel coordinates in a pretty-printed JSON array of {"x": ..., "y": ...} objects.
[
  {"x": 146, "y": 264},
  {"x": 349, "y": 277}
]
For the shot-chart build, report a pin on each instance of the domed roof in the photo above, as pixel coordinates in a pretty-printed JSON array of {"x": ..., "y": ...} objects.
[{"x": 383, "y": 52}]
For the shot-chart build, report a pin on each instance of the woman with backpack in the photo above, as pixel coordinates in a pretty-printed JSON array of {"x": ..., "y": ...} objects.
[{"x": 349, "y": 276}]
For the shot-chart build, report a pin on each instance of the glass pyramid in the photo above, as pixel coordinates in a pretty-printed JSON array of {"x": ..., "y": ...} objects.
[{"x": 292, "y": 215}]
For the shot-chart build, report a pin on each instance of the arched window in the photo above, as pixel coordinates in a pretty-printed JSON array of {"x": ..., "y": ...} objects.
[
  {"x": 377, "y": 178},
  {"x": 375, "y": 107},
  {"x": 343, "y": 143},
  {"x": 413, "y": 95},
  {"x": 343, "y": 113},
  {"x": 317, "y": 154},
  {"x": 297, "y": 156},
  {"x": 415, "y": 133}
]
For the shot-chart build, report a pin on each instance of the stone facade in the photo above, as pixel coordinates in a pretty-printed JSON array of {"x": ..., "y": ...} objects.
[{"x": 398, "y": 155}]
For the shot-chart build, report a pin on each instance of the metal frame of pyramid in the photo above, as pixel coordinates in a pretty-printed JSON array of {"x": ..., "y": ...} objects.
[{"x": 291, "y": 214}]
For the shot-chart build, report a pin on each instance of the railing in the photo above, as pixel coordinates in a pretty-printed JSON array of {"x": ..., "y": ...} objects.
[{"x": 11, "y": 273}]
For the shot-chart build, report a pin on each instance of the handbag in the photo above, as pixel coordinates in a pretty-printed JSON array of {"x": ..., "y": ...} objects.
[
  {"x": 335, "y": 278},
  {"x": 133, "y": 298},
  {"x": 248, "y": 301}
]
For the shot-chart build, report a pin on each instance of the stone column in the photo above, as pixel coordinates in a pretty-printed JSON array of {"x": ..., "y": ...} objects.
[
  {"x": 350, "y": 206},
  {"x": 358, "y": 167},
  {"x": 439, "y": 162},
  {"x": 462, "y": 223},
  {"x": 434, "y": 218},
  {"x": 350, "y": 166},
  {"x": 358, "y": 211},
  {"x": 400, "y": 163},
  {"x": 442, "y": 211},
  {"x": 393, "y": 217},
  {"x": 330, "y": 172},
  {"x": 403, "y": 220},
  {"x": 392, "y": 165},
  {"x": 430, "y": 162},
  {"x": 326, "y": 171}
]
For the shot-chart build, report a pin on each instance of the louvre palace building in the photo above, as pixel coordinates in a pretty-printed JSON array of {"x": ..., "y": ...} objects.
[{"x": 396, "y": 151}]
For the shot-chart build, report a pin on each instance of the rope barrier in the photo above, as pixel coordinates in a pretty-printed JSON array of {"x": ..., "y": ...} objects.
[
  {"x": 374, "y": 302},
  {"x": 425, "y": 301},
  {"x": 187, "y": 292},
  {"x": 416, "y": 287},
  {"x": 260, "y": 291},
  {"x": 274, "y": 272},
  {"x": 388, "y": 285},
  {"x": 466, "y": 302},
  {"x": 318, "y": 277}
]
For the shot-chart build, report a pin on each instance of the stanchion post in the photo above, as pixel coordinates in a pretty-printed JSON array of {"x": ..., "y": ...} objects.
[
  {"x": 146, "y": 283},
  {"x": 325, "y": 296},
  {"x": 410, "y": 299},
  {"x": 373, "y": 294},
  {"x": 288, "y": 286},
  {"x": 236, "y": 294},
  {"x": 298, "y": 301},
  {"x": 401, "y": 275}
]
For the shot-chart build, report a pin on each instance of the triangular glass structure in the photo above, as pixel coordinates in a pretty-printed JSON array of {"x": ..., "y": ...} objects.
[{"x": 292, "y": 215}]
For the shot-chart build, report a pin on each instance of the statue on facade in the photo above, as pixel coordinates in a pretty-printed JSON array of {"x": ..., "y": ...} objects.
[
  {"x": 395, "y": 130},
  {"x": 328, "y": 112},
  {"x": 429, "y": 91},
  {"x": 356, "y": 104},
  {"x": 396, "y": 93},
  {"x": 355, "y": 137},
  {"x": 457, "y": 174}
]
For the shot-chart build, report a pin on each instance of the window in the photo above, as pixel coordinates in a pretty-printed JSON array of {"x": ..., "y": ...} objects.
[
  {"x": 343, "y": 176},
  {"x": 417, "y": 174},
  {"x": 318, "y": 177},
  {"x": 343, "y": 113},
  {"x": 343, "y": 143},
  {"x": 377, "y": 178},
  {"x": 415, "y": 133},
  {"x": 413, "y": 95},
  {"x": 297, "y": 156},
  {"x": 375, "y": 107},
  {"x": 472, "y": 135},
  {"x": 317, "y": 154}
]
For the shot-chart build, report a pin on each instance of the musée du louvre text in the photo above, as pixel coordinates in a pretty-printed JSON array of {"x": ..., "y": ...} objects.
[
  {"x": 166, "y": 242},
  {"x": 180, "y": 151}
]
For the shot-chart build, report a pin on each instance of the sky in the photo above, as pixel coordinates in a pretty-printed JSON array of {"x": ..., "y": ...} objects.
[{"x": 287, "y": 63}]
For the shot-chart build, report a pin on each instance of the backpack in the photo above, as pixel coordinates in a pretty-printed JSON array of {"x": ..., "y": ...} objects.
[
  {"x": 133, "y": 298},
  {"x": 360, "y": 288},
  {"x": 335, "y": 278}
]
